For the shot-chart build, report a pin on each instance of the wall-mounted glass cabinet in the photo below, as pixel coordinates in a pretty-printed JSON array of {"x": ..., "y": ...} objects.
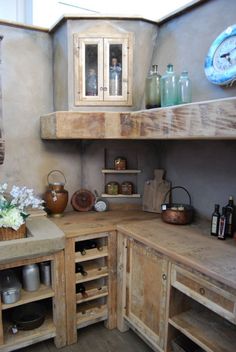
[{"x": 103, "y": 69}]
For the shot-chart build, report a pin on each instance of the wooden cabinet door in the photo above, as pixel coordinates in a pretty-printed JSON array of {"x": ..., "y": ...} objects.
[{"x": 146, "y": 291}]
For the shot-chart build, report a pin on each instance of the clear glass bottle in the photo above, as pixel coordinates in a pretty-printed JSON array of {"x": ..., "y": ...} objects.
[
  {"x": 184, "y": 89},
  {"x": 153, "y": 89},
  {"x": 169, "y": 87},
  {"x": 115, "y": 78}
]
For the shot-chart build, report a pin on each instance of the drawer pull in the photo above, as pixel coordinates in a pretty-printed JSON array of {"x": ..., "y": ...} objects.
[
  {"x": 202, "y": 291},
  {"x": 164, "y": 277}
]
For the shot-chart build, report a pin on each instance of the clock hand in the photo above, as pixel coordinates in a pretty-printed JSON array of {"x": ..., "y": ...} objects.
[{"x": 226, "y": 56}]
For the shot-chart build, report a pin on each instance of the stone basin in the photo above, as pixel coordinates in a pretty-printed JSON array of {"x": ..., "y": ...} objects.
[{"x": 43, "y": 238}]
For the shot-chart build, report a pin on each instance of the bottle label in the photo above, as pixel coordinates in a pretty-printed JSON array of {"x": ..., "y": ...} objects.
[{"x": 214, "y": 224}]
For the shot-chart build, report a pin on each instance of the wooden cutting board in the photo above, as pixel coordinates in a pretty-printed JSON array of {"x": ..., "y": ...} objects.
[{"x": 155, "y": 191}]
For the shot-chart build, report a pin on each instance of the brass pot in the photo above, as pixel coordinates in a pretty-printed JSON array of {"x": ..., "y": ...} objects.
[{"x": 56, "y": 197}]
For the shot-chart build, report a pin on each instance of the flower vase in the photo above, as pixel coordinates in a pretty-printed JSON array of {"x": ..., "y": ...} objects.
[{"x": 8, "y": 233}]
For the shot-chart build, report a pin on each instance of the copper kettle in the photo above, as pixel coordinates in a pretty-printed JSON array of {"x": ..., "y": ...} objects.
[{"x": 56, "y": 197}]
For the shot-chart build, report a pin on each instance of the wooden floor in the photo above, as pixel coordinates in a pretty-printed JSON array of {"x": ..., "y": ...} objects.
[{"x": 96, "y": 338}]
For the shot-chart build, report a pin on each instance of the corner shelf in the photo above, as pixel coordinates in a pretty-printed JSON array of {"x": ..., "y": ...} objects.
[
  {"x": 112, "y": 171},
  {"x": 136, "y": 195}
]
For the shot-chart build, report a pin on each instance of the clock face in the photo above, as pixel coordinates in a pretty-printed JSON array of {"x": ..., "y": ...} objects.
[{"x": 220, "y": 63}]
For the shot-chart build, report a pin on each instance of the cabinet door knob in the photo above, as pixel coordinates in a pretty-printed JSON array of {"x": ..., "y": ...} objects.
[
  {"x": 202, "y": 291},
  {"x": 101, "y": 88},
  {"x": 164, "y": 276},
  {"x": 105, "y": 89}
]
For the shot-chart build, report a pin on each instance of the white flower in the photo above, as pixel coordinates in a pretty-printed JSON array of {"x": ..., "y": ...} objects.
[
  {"x": 11, "y": 218},
  {"x": 12, "y": 212}
]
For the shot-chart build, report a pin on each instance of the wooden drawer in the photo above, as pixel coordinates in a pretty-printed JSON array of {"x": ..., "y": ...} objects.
[{"x": 214, "y": 295}]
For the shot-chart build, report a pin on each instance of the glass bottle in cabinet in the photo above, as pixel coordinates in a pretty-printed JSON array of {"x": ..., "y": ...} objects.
[{"x": 103, "y": 69}]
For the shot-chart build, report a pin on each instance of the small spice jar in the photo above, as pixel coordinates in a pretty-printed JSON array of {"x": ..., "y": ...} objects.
[
  {"x": 120, "y": 163},
  {"x": 112, "y": 188},
  {"x": 127, "y": 188}
]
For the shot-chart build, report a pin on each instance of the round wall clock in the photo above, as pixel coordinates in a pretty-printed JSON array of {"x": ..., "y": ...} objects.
[{"x": 220, "y": 63}]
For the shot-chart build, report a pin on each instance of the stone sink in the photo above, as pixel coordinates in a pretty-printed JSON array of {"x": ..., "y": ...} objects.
[{"x": 43, "y": 238}]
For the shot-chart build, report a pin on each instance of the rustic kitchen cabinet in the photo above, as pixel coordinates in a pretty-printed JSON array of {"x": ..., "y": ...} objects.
[
  {"x": 201, "y": 309},
  {"x": 51, "y": 296},
  {"x": 103, "y": 67},
  {"x": 142, "y": 281},
  {"x": 90, "y": 281}
]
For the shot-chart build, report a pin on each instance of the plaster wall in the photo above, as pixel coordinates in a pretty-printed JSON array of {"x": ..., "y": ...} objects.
[
  {"x": 144, "y": 42},
  {"x": 27, "y": 90},
  {"x": 205, "y": 168}
]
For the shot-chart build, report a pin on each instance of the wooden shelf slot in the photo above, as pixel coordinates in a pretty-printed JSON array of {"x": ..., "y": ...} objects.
[
  {"x": 94, "y": 271},
  {"x": 92, "y": 293},
  {"x": 25, "y": 338},
  {"x": 91, "y": 313},
  {"x": 206, "y": 329},
  {"x": 27, "y": 297},
  {"x": 93, "y": 253}
]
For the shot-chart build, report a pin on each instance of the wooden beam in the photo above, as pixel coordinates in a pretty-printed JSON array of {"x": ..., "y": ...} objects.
[{"x": 215, "y": 119}]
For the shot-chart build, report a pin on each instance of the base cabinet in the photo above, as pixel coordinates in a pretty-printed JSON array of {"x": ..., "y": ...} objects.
[
  {"x": 51, "y": 299},
  {"x": 142, "y": 287}
]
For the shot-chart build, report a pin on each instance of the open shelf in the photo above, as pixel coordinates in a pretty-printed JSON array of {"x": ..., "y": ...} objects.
[
  {"x": 206, "y": 329},
  {"x": 93, "y": 253},
  {"x": 90, "y": 313},
  {"x": 24, "y": 338},
  {"x": 105, "y": 195},
  {"x": 94, "y": 271},
  {"x": 27, "y": 297},
  {"x": 112, "y": 171}
]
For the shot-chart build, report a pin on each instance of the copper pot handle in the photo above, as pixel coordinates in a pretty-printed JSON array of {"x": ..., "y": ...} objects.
[
  {"x": 58, "y": 171},
  {"x": 171, "y": 189}
]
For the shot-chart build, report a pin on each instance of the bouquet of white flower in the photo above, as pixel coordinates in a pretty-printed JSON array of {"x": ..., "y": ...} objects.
[{"x": 13, "y": 206}]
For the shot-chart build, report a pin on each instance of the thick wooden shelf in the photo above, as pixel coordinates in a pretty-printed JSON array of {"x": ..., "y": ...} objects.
[
  {"x": 27, "y": 297},
  {"x": 91, "y": 254},
  {"x": 111, "y": 171},
  {"x": 24, "y": 338},
  {"x": 207, "y": 330},
  {"x": 213, "y": 119},
  {"x": 135, "y": 195}
]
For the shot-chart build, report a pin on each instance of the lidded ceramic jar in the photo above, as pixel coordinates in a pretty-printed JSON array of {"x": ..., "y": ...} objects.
[
  {"x": 127, "y": 188},
  {"x": 112, "y": 188},
  {"x": 120, "y": 163},
  {"x": 56, "y": 197}
]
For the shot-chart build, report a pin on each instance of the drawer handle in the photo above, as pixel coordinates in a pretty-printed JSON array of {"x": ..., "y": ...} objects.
[
  {"x": 164, "y": 277},
  {"x": 202, "y": 291}
]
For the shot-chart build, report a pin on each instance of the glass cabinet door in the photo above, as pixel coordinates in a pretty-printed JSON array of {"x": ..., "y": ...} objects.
[
  {"x": 115, "y": 64},
  {"x": 91, "y": 67},
  {"x": 102, "y": 66}
]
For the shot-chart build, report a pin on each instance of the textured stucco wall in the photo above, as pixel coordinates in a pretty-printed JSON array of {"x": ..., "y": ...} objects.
[
  {"x": 206, "y": 168},
  {"x": 144, "y": 42},
  {"x": 27, "y": 89}
]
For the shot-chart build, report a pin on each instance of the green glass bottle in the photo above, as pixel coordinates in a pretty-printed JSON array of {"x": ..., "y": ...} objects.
[
  {"x": 152, "y": 89},
  {"x": 184, "y": 89},
  {"x": 169, "y": 87}
]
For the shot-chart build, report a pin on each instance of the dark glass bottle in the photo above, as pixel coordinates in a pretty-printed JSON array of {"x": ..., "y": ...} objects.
[
  {"x": 80, "y": 288},
  {"x": 222, "y": 225},
  {"x": 80, "y": 269},
  {"x": 153, "y": 89},
  {"x": 215, "y": 218},
  {"x": 230, "y": 217}
]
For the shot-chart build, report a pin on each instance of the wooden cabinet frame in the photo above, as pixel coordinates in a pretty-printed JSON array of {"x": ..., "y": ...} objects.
[{"x": 103, "y": 39}]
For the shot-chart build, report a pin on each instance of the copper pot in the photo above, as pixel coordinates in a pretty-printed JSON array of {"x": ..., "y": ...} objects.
[
  {"x": 177, "y": 213},
  {"x": 56, "y": 197}
]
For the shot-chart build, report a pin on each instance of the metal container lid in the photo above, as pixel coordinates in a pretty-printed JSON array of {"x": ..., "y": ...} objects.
[{"x": 9, "y": 281}]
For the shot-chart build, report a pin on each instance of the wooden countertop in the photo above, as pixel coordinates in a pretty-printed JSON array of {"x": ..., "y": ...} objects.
[
  {"x": 75, "y": 224},
  {"x": 189, "y": 245}
]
